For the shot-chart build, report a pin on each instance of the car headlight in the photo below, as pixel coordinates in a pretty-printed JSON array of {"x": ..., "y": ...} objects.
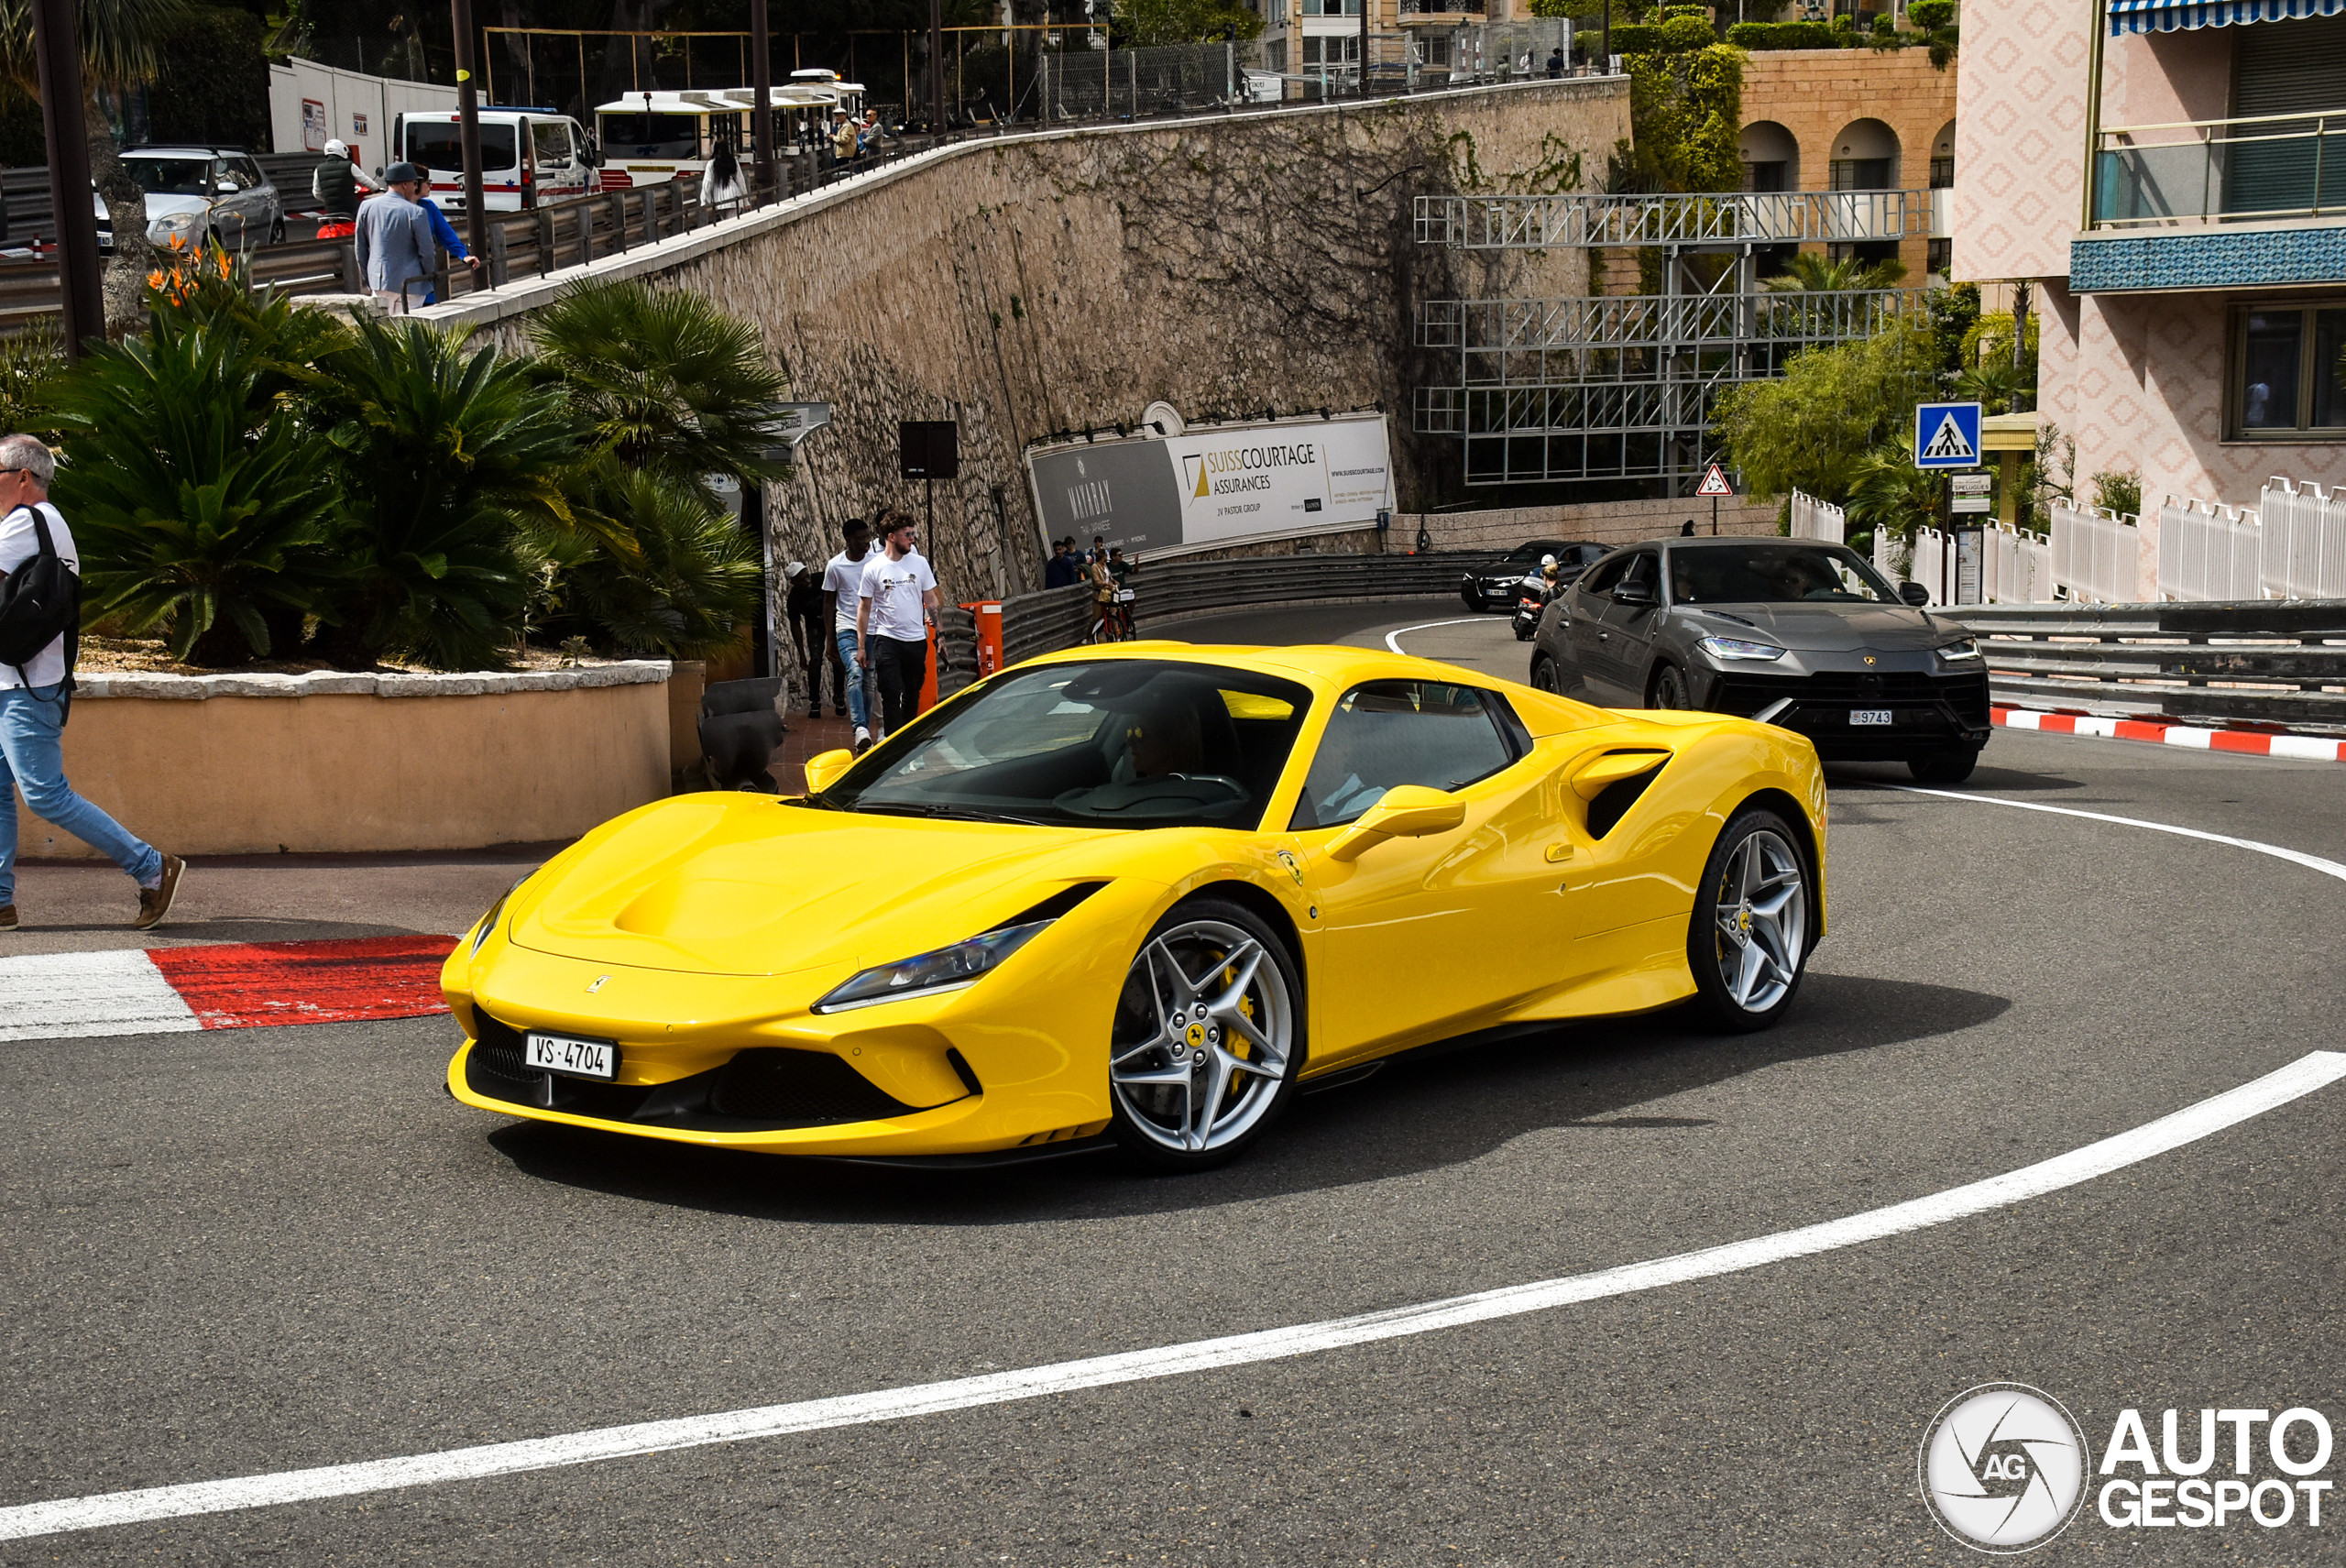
[
  {"x": 1955, "y": 652},
  {"x": 954, "y": 968},
  {"x": 185, "y": 228},
  {"x": 488, "y": 921},
  {"x": 1738, "y": 648}
]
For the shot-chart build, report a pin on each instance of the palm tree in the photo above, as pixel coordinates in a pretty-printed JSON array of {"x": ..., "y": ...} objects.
[
  {"x": 1813, "y": 273},
  {"x": 117, "y": 41}
]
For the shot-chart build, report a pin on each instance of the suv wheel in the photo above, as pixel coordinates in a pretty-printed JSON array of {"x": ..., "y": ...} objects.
[
  {"x": 1670, "y": 689},
  {"x": 1544, "y": 675},
  {"x": 1952, "y": 765}
]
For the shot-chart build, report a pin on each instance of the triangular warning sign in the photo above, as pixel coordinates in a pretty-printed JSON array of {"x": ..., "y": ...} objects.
[
  {"x": 1714, "y": 483},
  {"x": 1948, "y": 445}
]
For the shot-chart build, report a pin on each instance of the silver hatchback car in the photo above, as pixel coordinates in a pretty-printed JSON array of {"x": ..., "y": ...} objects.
[{"x": 199, "y": 194}]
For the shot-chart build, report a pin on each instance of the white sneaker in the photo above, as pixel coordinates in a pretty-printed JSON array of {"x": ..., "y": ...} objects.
[{"x": 862, "y": 741}]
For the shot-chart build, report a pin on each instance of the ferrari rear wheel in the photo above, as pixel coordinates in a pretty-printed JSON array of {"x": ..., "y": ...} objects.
[
  {"x": 1206, "y": 1039},
  {"x": 1747, "y": 944}
]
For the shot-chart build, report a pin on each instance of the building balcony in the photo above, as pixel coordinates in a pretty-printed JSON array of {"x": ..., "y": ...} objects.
[
  {"x": 1437, "y": 13},
  {"x": 2201, "y": 173}
]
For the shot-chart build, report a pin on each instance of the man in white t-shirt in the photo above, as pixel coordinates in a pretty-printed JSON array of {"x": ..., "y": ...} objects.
[
  {"x": 892, "y": 621},
  {"x": 32, "y": 710},
  {"x": 842, "y": 591}
]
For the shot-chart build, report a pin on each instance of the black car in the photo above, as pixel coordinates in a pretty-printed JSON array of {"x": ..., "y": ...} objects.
[
  {"x": 1493, "y": 586},
  {"x": 1789, "y": 631}
]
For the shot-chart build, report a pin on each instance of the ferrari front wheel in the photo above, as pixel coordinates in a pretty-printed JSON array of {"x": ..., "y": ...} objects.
[
  {"x": 1207, "y": 1038},
  {"x": 1747, "y": 944}
]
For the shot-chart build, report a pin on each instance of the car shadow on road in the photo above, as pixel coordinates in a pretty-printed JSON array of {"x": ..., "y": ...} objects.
[
  {"x": 1984, "y": 779},
  {"x": 1443, "y": 1106}
]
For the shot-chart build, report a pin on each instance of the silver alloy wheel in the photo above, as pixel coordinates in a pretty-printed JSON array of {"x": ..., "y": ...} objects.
[
  {"x": 1670, "y": 689},
  {"x": 1203, "y": 1035},
  {"x": 1760, "y": 914}
]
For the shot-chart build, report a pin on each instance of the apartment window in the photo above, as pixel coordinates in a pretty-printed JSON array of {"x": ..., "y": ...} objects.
[
  {"x": 1939, "y": 257},
  {"x": 1769, "y": 175},
  {"x": 2288, "y": 379},
  {"x": 1343, "y": 49},
  {"x": 1330, "y": 7},
  {"x": 1860, "y": 173},
  {"x": 1941, "y": 174}
]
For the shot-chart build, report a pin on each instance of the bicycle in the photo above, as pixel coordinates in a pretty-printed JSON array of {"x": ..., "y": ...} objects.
[{"x": 1113, "y": 623}]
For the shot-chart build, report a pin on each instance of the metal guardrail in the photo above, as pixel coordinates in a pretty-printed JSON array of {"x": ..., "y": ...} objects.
[
  {"x": 1573, "y": 221},
  {"x": 2263, "y": 660},
  {"x": 1060, "y": 617}
]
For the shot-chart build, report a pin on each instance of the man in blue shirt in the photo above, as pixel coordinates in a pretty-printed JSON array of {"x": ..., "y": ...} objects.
[{"x": 396, "y": 238}]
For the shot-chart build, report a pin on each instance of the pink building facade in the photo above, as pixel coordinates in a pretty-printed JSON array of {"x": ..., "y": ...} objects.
[{"x": 2172, "y": 179}]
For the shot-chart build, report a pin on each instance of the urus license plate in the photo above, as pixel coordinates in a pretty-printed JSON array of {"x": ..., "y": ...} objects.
[
  {"x": 1868, "y": 716},
  {"x": 571, "y": 1056}
]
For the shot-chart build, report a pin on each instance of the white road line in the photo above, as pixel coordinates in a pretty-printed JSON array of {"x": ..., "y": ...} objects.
[
  {"x": 2297, "y": 856},
  {"x": 1393, "y": 639},
  {"x": 54, "y": 996},
  {"x": 2301, "y": 1078}
]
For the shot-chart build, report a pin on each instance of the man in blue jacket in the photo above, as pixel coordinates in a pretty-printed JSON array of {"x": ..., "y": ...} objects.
[{"x": 396, "y": 239}]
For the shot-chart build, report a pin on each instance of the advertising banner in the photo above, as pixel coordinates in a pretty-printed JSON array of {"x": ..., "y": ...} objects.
[{"x": 1221, "y": 485}]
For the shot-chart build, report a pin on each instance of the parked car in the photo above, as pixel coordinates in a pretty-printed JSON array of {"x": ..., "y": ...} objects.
[
  {"x": 196, "y": 194},
  {"x": 1790, "y": 631},
  {"x": 1493, "y": 586}
]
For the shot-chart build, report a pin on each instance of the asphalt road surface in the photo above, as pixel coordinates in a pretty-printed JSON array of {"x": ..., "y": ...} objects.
[{"x": 238, "y": 1254}]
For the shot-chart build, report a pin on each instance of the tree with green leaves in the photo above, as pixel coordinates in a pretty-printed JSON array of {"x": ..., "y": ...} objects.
[
  {"x": 1810, "y": 429},
  {"x": 1811, "y": 271},
  {"x": 1138, "y": 24}
]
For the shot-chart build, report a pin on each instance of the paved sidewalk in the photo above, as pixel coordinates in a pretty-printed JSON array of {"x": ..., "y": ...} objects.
[{"x": 87, "y": 905}]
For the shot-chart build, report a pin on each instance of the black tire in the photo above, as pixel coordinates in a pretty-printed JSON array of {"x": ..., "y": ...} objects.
[
  {"x": 1951, "y": 766},
  {"x": 277, "y": 230},
  {"x": 1544, "y": 676},
  {"x": 1669, "y": 688},
  {"x": 1473, "y": 600},
  {"x": 1731, "y": 896},
  {"x": 1525, "y": 633},
  {"x": 1154, "y": 1122}
]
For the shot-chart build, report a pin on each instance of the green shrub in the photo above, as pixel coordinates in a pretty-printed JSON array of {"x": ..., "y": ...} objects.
[
  {"x": 1783, "y": 35},
  {"x": 688, "y": 593},
  {"x": 199, "y": 504}
]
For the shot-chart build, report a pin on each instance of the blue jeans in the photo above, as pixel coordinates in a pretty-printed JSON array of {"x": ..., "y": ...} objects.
[
  {"x": 859, "y": 683},
  {"x": 32, "y": 726}
]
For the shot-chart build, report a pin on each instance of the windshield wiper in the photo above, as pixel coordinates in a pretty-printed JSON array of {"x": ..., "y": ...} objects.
[{"x": 951, "y": 813}]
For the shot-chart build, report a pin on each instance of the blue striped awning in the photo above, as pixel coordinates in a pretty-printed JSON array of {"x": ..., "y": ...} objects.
[{"x": 2178, "y": 16}]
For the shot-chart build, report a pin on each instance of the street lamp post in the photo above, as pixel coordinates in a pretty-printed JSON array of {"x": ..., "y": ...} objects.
[
  {"x": 935, "y": 73},
  {"x": 58, "y": 47},
  {"x": 761, "y": 105},
  {"x": 468, "y": 130}
]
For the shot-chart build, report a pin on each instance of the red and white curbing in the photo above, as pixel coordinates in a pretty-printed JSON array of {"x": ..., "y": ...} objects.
[
  {"x": 2248, "y": 742},
  {"x": 228, "y": 985}
]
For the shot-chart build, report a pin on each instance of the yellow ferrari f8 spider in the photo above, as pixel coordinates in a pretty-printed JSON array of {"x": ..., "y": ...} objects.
[{"x": 1140, "y": 893}]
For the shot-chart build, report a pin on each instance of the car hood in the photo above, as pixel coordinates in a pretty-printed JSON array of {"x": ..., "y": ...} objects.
[
  {"x": 164, "y": 206},
  {"x": 747, "y": 884},
  {"x": 1823, "y": 628}
]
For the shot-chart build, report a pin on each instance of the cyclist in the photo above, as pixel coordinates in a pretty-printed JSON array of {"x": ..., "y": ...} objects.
[
  {"x": 1105, "y": 627},
  {"x": 1122, "y": 570}
]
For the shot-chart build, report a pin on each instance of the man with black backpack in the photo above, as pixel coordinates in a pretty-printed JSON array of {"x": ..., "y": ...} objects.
[{"x": 40, "y": 607}]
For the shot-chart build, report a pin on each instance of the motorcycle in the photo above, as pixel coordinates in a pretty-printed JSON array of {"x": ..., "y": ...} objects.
[{"x": 1531, "y": 599}]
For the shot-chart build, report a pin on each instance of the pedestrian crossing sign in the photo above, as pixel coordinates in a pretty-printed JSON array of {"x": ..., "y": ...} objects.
[
  {"x": 1946, "y": 435},
  {"x": 1714, "y": 483}
]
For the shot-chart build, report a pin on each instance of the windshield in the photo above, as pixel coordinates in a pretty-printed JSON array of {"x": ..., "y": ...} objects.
[
  {"x": 435, "y": 145},
  {"x": 651, "y": 136},
  {"x": 1776, "y": 573},
  {"x": 171, "y": 176},
  {"x": 1115, "y": 744},
  {"x": 1528, "y": 555}
]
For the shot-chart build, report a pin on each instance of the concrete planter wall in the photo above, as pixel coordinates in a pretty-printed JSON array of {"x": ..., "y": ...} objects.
[{"x": 328, "y": 762}]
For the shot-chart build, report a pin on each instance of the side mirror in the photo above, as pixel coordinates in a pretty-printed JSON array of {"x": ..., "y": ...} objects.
[
  {"x": 1633, "y": 593},
  {"x": 1914, "y": 594},
  {"x": 1406, "y": 811},
  {"x": 827, "y": 768}
]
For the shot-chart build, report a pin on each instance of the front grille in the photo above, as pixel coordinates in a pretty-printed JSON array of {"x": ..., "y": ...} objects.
[
  {"x": 778, "y": 1087},
  {"x": 498, "y": 1053},
  {"x": 1747, "y": 694}
]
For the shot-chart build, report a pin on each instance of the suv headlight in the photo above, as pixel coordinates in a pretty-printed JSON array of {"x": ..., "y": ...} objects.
[
  {"x": 1738, "y": 648},
  {"x": 954, "y": 968},
  {"x": 1969, "y": 648}
]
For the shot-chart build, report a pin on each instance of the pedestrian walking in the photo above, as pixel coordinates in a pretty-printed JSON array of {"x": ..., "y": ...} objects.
[
  {"x": 1555, "y": 62},
  {"x": 899, "y": 600},
  {"x": 36, "y": 694},
  {"x": 843, "y": 138},
  {"x": 722, "y": 186},
  {"x": 395, "y": 241},
  {"x": 803, "y": 604},
  {"x": 334, "y": 184},
  {"x": 843, "y": 599},
  {"x": 1059, "y": 571}
]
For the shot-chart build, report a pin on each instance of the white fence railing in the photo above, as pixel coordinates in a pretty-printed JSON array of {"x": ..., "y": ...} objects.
[
  {"x": 2017, "y": 567},
  {"x": 1813, "y": 518},
  {"x": 2305, "y": 541},
  {"x": 2097, "y": 555},
  {"x": 2207, "y": 551}
]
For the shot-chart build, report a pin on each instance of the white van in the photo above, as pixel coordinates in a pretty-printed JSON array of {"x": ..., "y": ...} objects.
[{"x": 528, "y": 156}]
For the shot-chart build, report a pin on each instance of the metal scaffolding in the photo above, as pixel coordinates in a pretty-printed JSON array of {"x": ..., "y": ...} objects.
[{"x": 1733, "y": 218}]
